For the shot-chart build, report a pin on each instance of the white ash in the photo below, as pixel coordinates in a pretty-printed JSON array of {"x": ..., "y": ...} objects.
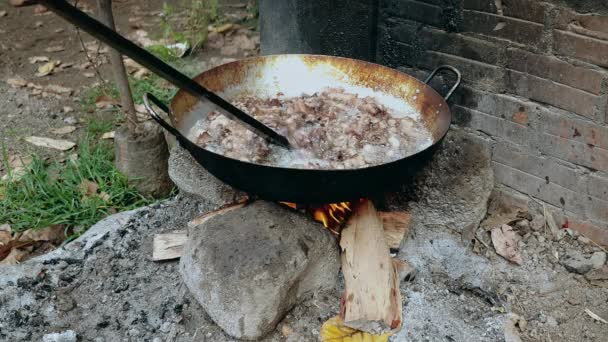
[{"x": 331, "y": 129}]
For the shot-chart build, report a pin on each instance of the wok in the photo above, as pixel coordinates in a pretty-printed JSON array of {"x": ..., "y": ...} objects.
[
  {"x": 294, "y": 75},
  {"x": 291, "y": 75}
]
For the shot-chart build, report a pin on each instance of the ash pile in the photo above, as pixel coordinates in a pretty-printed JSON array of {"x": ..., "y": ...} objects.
[{"x": 483, "y": 264}]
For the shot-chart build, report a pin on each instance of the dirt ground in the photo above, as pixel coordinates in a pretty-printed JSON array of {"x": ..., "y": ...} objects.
[{"x": 25, "y": 34}]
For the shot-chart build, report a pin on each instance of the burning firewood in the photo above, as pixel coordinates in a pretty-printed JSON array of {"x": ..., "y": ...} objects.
[{"x": 371, "y": 300}]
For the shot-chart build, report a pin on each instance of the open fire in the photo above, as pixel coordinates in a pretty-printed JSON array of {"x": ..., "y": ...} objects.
[{"x": 330, "y": 215}]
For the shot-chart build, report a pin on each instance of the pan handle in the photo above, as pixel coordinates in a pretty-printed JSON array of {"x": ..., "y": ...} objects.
[
  {"x": 450, "y": 68},
  {"x": 156, "y": 117}
]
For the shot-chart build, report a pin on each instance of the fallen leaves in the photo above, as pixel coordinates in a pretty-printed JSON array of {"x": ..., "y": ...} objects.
[
  {"x": 595, "y": 316},
  {"x": 16, "y": 82},
  {"x": 506, "y": 243},
  {"x": 58, "y": 144},
  {"x": 108, "y": 135},
  {"x": 63, "y": 130},
  {"x": 104, "y": 101},
  {"x": 18, "y": 166},
  {"x": 15, "y": 248},
  {"x": 57, "y": 48},
  {"x": 47, "y": 68},
  {"x": 335, "y": 330},
  {"x": 56, "y": 89},
  {"x": 38, "y": 59},
  {"x": 90, "y": 189}
]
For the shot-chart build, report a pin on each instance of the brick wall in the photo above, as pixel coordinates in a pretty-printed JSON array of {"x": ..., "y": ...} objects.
[{"x": 535, "y": 82}]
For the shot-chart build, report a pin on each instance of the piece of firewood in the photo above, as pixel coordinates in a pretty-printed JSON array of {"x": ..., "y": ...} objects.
[
  {"x": 169, "y": 245},
  {"x": 201, "y": 219},
  {"x": 371, "y": 300},
  {"x": 396, "y": 226}
]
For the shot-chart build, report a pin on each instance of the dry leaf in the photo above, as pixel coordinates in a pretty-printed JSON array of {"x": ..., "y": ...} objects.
[
  {"x": 68, "y": 109},
  {"x": 595, "y": 316},
  {"x": 56, "y": 89},
  {"x": 59, "y": 30},
  {"x": 18, "y": 166},
  {"x": 34, "y": 86},
  {"x": 2, "y": 13},
  {"x": 108, "y": 135},
  {"x": 104, "y": 196},
  {"x": 223, "y": 28},
  {"x": 47, "y": 68},
  {"x": 14, "y": 256},
  {"x": 38, "y": 59},
  {"x": 16, "y": 82},
  {"x": 88, "y": 188},
  {"x": 62, "y": 145},
  {"x": 54, "y": 233},
  {"x": 335, "y": 330},
  {"x": 506, "y": 243},
  {"x": 88, "y": 74},
  {"x": 131, "y": 65},
  {"x": 38, "y": 24},
  {"x": 57, "y": 48},
  {"x": 63, "y": 130},
  {"x": 84, "y": 66},
  {"x": 5, "y": 234},
  {"x": 104, "y": 101},
  {"x": 64, "y": 66}
]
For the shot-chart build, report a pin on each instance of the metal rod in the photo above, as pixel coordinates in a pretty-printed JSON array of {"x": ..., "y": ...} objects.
[{"x": 157, "y": 66}]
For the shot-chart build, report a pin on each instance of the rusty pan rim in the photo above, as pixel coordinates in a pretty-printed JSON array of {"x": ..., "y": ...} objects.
[{"x": 260, "y": 59}]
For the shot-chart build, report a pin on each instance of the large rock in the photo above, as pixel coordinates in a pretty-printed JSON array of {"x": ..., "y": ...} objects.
[
  {"x": 454, "y": 188},
  {"x": 250, "y": 266},
  {"x": 192, "y": 179}
]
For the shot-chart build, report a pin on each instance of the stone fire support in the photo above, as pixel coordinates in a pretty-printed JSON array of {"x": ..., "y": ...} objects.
[{"x": 535, "y": 81}]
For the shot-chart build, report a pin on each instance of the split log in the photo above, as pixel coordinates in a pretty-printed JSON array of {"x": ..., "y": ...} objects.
[
  {"x": 203, "y": 218},
  {"x": 169, "y": 245},
  {"x": 396, "y": 226},
  {"x": 371, "y": 300}
]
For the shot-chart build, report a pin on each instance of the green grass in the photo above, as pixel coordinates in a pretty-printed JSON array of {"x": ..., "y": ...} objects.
[{"x": 52, "y": 192}]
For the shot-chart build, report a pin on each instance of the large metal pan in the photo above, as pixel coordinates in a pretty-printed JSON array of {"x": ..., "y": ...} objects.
[{"x": 294, "y": 75}]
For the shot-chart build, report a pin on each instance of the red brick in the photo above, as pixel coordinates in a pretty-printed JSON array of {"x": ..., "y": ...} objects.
[
  {"x": 532, "y": 10},
  {"x": 504, "y": 106},
  {"x": 539, "y": 188},
  {"x": 593, "y": 25},
  {"x": 581, "y": 154},
  {"x": 591, "y": 231},
  {"x": 584, "y": 48},
  {"x": 553, "y": 68},
  {"x": 549, "y": 170},
  {"x": 519, "y": 31},
  {"x": 582, "y": 131},
  {"x": 472, "y": 71},
  {"x": 493, "y": 125},
  {"x": 597, "y": 186},
  {"x": 555, "y": 94},
  {"x": 460, "y": 45}
]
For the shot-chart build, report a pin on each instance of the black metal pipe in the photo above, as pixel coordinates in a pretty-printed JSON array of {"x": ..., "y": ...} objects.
[{"x": 157, "y": 66}]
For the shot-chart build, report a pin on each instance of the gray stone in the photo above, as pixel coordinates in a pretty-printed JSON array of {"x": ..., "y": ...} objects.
[
  {"x": 574, "y": 261},
  {"x": 454, "y": 187},
  {"x": 66, "y": 336},
  {"x": 191, "y": 178},
  {"x": 250, "y": 266}
]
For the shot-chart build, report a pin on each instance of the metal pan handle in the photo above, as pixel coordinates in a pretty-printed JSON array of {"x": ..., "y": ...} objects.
[
  {"x": 450, "y": 68},
  {"x": 156, "y": 117}
]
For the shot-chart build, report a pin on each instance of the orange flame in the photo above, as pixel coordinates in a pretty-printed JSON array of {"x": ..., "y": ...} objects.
[{"x": 330, "y": 215}]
